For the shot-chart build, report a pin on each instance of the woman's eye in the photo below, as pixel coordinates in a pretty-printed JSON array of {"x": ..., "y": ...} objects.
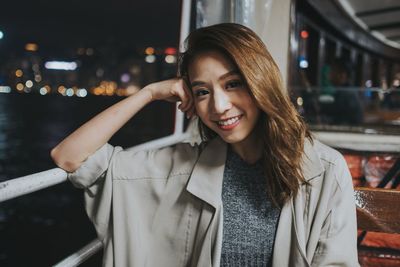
[
  {"x": 233, "y": 84},
  {"x": 200, "y": 92}
]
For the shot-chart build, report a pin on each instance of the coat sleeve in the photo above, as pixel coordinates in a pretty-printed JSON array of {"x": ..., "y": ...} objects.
[
  {"x": 95, "y": 177},
  {"x": 94, "y": 167},
  {"x": 337, "y": 244}
]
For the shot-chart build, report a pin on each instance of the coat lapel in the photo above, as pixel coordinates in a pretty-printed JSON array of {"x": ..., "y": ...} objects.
[
  {"x": 291, "y": 237},
  {"x": 206, "y": 179},
  {"x": 205, "y": 183}
]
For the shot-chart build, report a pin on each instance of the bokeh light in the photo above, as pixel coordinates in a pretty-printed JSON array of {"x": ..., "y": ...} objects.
[
  {"x": 31, "y": 47},
  {"x": 29, "y": 83},
  {"x": 170, "y": 59},
  {"x": 19, "y": 73},
  {"x": 149, "y": 51},
  {"x": 20, "y": 86},
  {"x": 150, "y": 59}
]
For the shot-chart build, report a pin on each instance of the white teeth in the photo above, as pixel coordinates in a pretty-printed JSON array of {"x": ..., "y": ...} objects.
[{"x": 229, "y": 121}]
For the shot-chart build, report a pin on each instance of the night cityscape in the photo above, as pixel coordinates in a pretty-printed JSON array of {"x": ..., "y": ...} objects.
[
  {"x": 82, "y": 49},
  {"x": 60, "y": 64}
]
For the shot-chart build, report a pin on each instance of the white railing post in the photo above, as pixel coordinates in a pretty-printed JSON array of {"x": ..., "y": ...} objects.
[{"x": 184, "y": 32}]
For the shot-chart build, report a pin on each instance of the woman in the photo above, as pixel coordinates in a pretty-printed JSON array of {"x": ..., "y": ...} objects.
[{"x": 256, "y": 191}]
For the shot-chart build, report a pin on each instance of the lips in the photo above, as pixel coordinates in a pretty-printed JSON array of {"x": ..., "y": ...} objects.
[{"x": 230, "y": 123}]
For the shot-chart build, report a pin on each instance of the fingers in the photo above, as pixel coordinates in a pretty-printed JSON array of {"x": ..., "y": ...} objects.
[
  {"x": 190, "y": 108},
  {"x": 184, "y": 95},
  {"x": 191, "y": 111}
]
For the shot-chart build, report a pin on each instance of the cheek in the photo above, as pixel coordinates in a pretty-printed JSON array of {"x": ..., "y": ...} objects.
[{"x": 200, "y": 109}]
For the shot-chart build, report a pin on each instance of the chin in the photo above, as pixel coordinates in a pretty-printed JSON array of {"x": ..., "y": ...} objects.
[{"x": 232, "y": 139}]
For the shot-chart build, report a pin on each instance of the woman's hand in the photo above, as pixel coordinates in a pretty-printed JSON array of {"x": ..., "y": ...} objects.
[{"x": 172, "y": 90}]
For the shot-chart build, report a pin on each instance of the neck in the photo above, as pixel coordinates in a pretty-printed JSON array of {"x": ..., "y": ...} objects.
[{"x": 250, "y": 149}]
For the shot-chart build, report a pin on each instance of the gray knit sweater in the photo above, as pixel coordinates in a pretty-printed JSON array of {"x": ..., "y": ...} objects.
[{"x": 250, "y": 219}]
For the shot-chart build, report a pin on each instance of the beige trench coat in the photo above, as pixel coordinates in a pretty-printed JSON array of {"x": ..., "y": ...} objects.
[{"x": 163, "y": 207}]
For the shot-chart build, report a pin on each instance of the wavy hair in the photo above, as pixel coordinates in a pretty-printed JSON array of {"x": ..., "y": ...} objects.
[{"x": 282, "y": 129}]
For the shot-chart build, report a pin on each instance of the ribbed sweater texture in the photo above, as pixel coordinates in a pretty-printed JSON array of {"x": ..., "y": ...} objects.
[{"x": 249, "y": 217}]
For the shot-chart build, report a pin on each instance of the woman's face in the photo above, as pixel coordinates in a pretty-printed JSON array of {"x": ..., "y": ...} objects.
[{"x": 221, "y": 97}]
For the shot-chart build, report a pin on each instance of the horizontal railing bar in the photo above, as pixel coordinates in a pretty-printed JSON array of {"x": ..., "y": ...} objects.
[
  {"x": 31, "y": 183},
  {"x": 27, "y": 184},
  {"x": 81, "y": 255},
  {"x": 360, "y": 141}
]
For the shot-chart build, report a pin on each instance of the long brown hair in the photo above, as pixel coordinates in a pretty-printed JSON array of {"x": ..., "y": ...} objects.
[{"x": 283, "y": 130}]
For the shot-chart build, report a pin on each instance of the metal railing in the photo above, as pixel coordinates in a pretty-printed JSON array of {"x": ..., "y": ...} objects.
[
  {"x": 360, "y": 141},
  {"x": 34, "y": 182},
  {"x": 31, "y": 183},
  {"x": 81, "y": 255}
]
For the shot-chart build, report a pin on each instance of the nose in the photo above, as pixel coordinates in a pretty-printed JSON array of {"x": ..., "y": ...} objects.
[{"x": 221, "y": 102}]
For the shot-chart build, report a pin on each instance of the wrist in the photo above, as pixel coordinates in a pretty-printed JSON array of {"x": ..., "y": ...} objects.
[{"x": 148, "y": 93}]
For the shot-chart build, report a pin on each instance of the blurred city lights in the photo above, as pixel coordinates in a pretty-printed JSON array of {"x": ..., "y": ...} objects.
[
  {"x": 19, "y": 73},
  {"x": 61, "y": 89},
  {"x": 125, "y": 78},
  {"x": 303, "y": 64},
  {"x": 20, "y": 86},
  {"x": 5, "y": 89},
  {"x": 82, "y": 92},
  {"x": 60, "y": 65},
  {"x": 105, "y": 88},
  {"x": 29, "y": 83},
  {"x": 80, "y": 51},
  {"x": 31, "y": 47},
  {"x": 1, "y": 35},
  {"x": 89, "y": 52},
  {"x": 99, "y": 72},
  {"x": 43, "y": 90},
  {"x": 35, "y": 67},
  {"x": 170, "y": 51},
  {"x": 149, "y": 51},
  {"x": 150, "y": 59},
  {"x": 135, "y": 70},
  {"x": 30, "y": 76},
  {"x": 170, "y": 59},
  {"x": 304, "y": 34},
  {"x": 299, "y": 101},
  {"x": 69, "y": 92}
]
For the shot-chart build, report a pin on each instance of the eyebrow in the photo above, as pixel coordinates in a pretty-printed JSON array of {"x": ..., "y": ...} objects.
[{"x": 229, "y": 73}]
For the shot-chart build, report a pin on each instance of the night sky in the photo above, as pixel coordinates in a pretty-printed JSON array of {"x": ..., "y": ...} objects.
[{"x": 55, "y": 24}]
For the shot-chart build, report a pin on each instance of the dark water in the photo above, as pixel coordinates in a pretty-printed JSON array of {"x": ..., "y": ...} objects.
[{"x": 42, "y": 228}]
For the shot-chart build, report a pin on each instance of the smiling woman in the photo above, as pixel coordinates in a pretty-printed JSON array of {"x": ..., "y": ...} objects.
[
  {"x": 257, "y": 190},
  {"x": 239, "y": 49}
]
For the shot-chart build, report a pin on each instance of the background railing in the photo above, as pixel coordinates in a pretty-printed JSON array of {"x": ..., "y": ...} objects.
[{"x": 31, "y": 183}]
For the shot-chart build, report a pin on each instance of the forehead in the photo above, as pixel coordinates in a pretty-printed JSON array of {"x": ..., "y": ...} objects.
[{"x": 209, "y": 64}]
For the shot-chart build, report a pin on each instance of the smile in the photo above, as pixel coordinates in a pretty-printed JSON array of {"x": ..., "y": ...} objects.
[{"x": 229, "y": 123}]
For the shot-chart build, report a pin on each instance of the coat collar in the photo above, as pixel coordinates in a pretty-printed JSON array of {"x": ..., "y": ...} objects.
[
  {"x": 206, "y": 179},
  {"x": 311, "y": 162}
]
